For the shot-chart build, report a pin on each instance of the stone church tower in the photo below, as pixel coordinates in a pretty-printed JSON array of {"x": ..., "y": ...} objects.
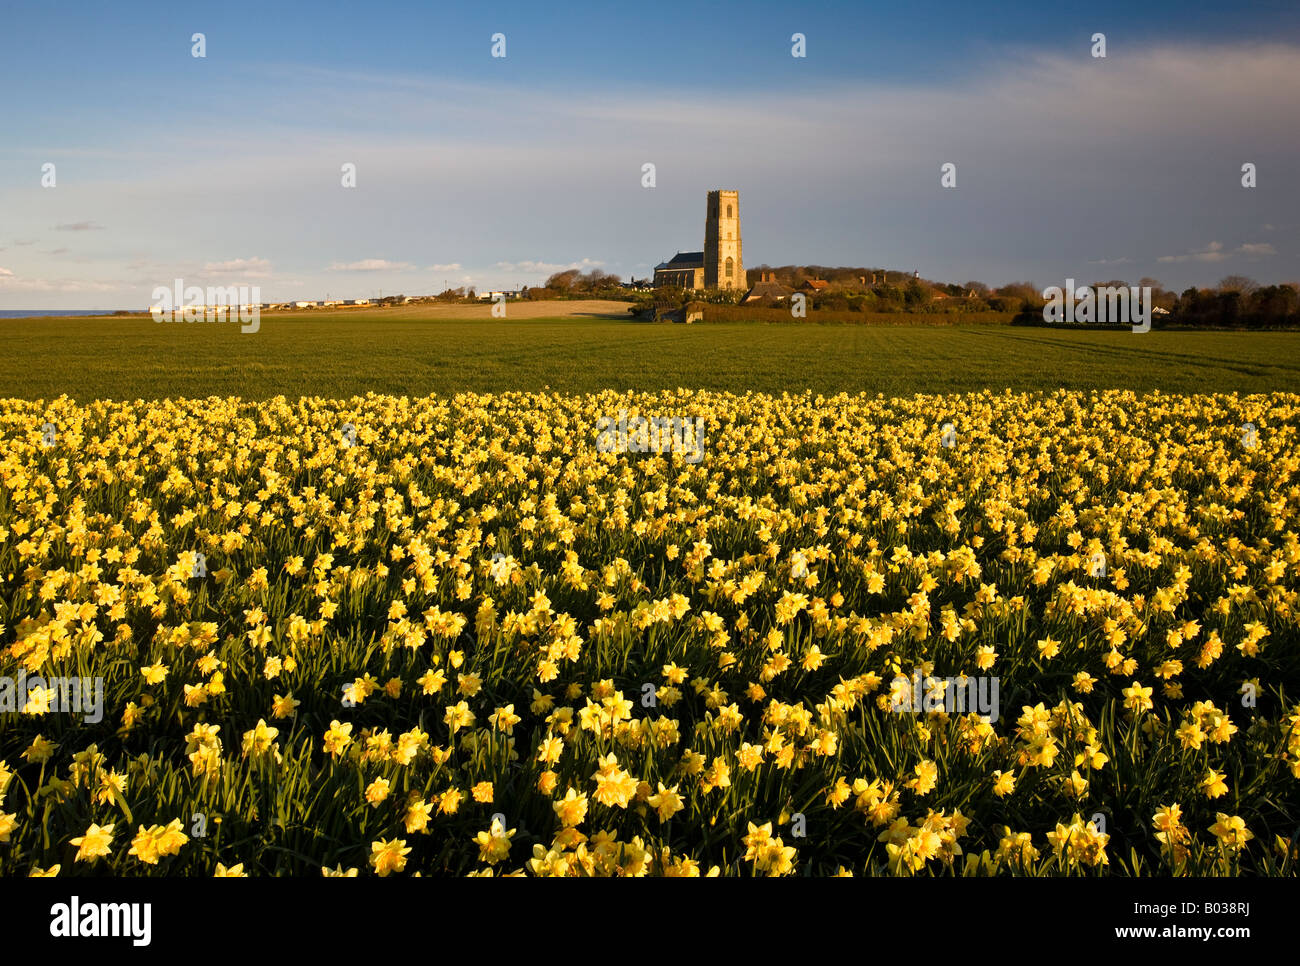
[{"x": 723, "y": 266}]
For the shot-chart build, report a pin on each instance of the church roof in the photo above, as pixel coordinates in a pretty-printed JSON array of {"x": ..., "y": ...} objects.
[{"x": 686, "y": 260}]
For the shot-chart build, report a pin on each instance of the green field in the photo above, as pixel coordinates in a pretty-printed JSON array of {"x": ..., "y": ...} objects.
[{"x": 352, "y": 353}]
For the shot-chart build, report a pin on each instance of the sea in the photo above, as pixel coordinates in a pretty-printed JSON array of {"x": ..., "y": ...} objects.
[{"x": 41, "y": 313}]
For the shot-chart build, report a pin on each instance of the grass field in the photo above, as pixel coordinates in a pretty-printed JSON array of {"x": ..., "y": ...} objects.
[{"x": 419, "y": 351}]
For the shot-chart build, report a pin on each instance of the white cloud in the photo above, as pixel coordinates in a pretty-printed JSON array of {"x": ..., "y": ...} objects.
[
  {"x": 248, "y": 267},
  {"x": 1215, "y": 252},
  {"x": 531, "y": 176},
  {"x": 371, "y": 265},
  {"x": 1211, "y": 253},
  {"x": 13, "y": 283},
  {"x": 80, "y": 226},
  {"x": 549, "y": 268}
]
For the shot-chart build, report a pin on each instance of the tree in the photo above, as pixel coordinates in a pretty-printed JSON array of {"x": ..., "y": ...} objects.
[
  {"x": 563, "y": 281},
  {"x": 1238, "y": 283},
  {"x": 916, "y": 294},
  {"x": 1025, "y": 296},
  {"x": 888, "y": 294},
  {"x": 1160, "y": 298}
]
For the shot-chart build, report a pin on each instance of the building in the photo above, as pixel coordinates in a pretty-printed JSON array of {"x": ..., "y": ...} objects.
[
  {"x": 683, "y": 270},
  {"x": 721, "y": 264},
  {"x": 767, "y": 287}
]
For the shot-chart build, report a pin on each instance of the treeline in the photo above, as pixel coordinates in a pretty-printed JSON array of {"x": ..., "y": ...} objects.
[
  {"x": 574, "y": 283},
  {"x": 1235, "y": 302},
  {"x": 883, "y": 291},
  {"x": 1241, "y": 304}
]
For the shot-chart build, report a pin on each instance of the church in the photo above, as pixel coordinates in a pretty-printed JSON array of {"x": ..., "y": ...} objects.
[{"x": 720, "y": 265}]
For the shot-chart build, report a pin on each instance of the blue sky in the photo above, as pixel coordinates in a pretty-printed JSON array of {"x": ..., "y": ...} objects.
[{"x": 479, "y": 170}]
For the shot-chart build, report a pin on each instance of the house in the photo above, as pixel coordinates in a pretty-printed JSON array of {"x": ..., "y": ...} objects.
[
  {"x": 813, "y": 285},
  {"x": 767, "y": 287}
]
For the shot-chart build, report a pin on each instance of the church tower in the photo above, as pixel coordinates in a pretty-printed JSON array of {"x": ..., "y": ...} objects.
[{"x": 723, "y": 266}]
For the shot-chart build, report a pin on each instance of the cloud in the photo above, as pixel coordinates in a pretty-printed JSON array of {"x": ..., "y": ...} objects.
[
  {"x": 548, "y": 267},
  {"x": 1214, "y": 252},
  {"x": 1211, "y": 253},
  {"x": 13, "y": 283},
  {"x": 1259, "y": 248},
  {"x": 57, "y": 251},
  {"x": 371, "y": 265},
  {"x": 79, "y": 226},
  {"x": 247, "y": 267},
  {"x": 530, "y": 174}
]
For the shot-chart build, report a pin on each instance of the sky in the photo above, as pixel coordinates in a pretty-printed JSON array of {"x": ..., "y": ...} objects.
[{"x": 497, "y": 171}]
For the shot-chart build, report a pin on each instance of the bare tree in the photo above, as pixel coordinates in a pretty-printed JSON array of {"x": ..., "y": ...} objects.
[{"x": 1238, "y": 283}]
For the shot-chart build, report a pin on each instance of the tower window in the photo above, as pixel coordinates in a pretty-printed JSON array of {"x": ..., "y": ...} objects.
[
  {"x": 728, "y": 211},
  {"x": 731, "y": 268}
]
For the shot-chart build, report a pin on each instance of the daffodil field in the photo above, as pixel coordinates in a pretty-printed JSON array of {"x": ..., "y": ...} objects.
[{"x": 453, "y": 636}]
